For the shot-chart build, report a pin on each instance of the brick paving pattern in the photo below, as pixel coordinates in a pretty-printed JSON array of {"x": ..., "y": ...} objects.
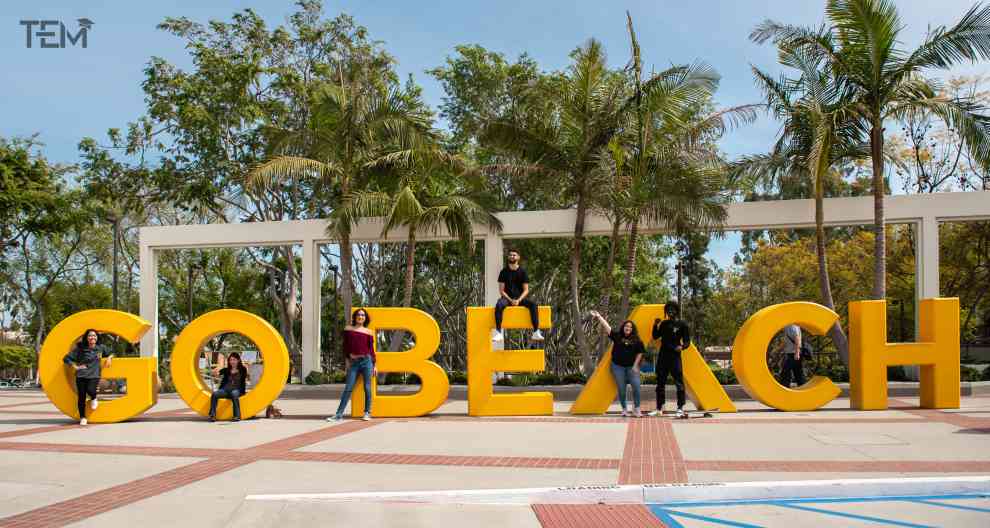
[{"x": 650, "y": 454}]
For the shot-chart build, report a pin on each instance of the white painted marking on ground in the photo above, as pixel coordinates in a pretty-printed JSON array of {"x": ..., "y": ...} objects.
[{"x": 663, "y": 493}]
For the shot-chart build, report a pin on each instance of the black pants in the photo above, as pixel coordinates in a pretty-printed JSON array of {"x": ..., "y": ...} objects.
[
  {"x": 503, "y": 303},
  {"x": 669, "y": 363},
  {"x": 233, "y": 395},
  {"x": 85, "y": 386},
  {"x": 792, "y": 367}
]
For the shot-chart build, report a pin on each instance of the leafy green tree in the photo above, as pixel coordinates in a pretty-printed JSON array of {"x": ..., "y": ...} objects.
[
  {"x": 560, "y": 137},
  {"x": 861, "y": 45}
]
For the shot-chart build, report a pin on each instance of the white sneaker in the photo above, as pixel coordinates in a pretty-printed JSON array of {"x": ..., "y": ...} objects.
[
  {"x": 537, "y": 335},
  {"x": 334, "y": 418},
  {"x": 366, "y": 417},
  {"x": 94, "y": 403},
  {"x": 638, "y": 413},
  {"x": 653, "y": 413},
  {"x": 497, "y": 337},
  {"x": 83, "y": 421}
]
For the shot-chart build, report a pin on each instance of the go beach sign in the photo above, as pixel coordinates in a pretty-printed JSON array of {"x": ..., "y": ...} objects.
[{"x": 936, "y": 352}]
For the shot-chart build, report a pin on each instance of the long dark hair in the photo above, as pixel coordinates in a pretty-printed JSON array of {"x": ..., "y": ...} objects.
[
  {"x": 367, "y": 318},
  {"x": 240, "y": 363},
  {"x": 83, "y": 343},
  {"x": 633, "y": 337}
]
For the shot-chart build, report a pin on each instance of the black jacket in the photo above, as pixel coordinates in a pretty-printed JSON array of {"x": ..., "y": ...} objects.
[
  {"x": 89, "y": 359},
  {"x": 225, "y": 376}
]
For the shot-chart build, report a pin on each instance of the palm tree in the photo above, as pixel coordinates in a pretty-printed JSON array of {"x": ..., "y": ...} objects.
[
  {"x": 861, "y": 47},
  {"x": 560, "y": 138},
  {"x": 820, "y": 130},
  {"x": 674, "y": 170},
  {"x": 422, "y": 200},
  {"x": 350, "y": 127}
]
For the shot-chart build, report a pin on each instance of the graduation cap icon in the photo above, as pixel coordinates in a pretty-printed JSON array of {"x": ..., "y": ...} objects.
[{"x": 85, "y": 23}]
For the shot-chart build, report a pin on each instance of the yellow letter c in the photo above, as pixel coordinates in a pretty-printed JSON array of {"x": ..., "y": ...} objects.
[{"x": 749, "y": 356}]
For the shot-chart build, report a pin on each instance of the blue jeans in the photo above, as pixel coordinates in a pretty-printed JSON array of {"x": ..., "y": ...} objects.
[
  {"x": 363, "y": 366},
  {"x": 624, "y": 376},
  {"x": 233, "y": 395}
]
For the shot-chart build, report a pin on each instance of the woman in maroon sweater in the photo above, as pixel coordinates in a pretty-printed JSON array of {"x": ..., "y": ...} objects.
[{"x": 359, "y": 354}]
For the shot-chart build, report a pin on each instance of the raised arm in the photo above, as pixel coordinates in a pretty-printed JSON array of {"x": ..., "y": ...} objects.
[{"x": 602, "y": 322}]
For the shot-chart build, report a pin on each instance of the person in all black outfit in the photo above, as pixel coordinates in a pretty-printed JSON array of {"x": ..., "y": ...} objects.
[
  {"x": 674, "y": 336},
  {"x": 233, "y": 383},
  {"x": 627, "y": 353},
  {"x": 85, "y": 359},
  {"x": 513, "y": 287}
]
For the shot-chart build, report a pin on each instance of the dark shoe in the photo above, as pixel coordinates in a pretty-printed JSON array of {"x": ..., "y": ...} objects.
[
  {"x": 236, "y": 420},
  {"x": 213, "y": 418}
]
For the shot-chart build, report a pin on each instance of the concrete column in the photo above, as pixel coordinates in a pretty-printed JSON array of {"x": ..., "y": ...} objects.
[
  {"x": 493, "y": 265},
  {"x": 926, "y": 279},
  {"x": 148, "y": 289},
  {"x": 926, "y": 260},
  {"x": 311, "y": 307}
]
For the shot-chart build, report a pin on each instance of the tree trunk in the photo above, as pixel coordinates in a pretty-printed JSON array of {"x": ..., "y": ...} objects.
[
  {"x": 39, "y": 338},
  {"x": 836, "y": 333},
  {"x": 630, "y": 268},
  {"x": 396, "y": 343},
  {"x": 116, "y": 259},
  {"x": 587, "y": 363},
  {"x": 605, "y": 304},
  {"x": 880, "y": 242}
]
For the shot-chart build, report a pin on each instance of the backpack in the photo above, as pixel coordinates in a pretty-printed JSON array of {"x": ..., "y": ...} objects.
[{"x": 806, "y": 351}]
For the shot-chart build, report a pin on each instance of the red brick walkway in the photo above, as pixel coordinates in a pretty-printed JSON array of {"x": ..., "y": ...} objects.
[
  {"x": 595, "y": 516},
  {"x": 651, "y": 455}
]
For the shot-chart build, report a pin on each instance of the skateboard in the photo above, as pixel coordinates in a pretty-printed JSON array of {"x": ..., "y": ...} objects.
[{"x": 686, "y": 415}]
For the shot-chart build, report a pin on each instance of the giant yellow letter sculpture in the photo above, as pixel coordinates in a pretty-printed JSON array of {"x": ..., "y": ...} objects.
[
  {"x": 937, "y": 352},
  {"x": 705, "y": 391},
  {"x": 483, "y": 361},
  {"x": 185, "y": 361},
  {"x": 141, "y": 374},
  {"x": 749, "y": 356},
  {"x": 434, "y": 385}
]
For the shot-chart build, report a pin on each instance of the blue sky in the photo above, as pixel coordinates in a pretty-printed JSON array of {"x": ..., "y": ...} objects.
[{"x": 67, "y": 94}]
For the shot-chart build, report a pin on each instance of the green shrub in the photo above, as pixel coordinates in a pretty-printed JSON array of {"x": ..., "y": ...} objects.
[
  {"x": 574, "y": 377},
  {"x": 546, "y": 378},
  {"x": 457, "y": 376},
  {"x": 970, "y": 373},
  {"x": 896, "y": 373},
  {"x": 315, "y": 377},
  {"x": 516, "y": 380},
  {"x": 395, "y": 378},
  {"x": 648, "y": 379},
  {"x": 725, "y": 376},
  {"x": 986, "y": 374}
]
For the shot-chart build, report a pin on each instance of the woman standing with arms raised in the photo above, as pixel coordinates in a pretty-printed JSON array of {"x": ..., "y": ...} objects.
[
  {"x": 359, "y": 354},
  {"x": 627, "y": 353}
]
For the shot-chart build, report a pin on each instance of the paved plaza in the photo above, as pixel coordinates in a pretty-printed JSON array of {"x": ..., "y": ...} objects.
[{"x": 169, "y": 467}]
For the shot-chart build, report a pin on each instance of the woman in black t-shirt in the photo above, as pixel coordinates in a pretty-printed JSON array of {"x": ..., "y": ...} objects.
[{"x": 627, "y": 352}]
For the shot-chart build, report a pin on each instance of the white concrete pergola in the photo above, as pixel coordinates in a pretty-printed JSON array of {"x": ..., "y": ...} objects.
[{"x": 924, "y": 212}]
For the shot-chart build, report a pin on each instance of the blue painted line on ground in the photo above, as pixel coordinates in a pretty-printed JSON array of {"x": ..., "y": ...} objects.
[
  {"x": 950, "y": 505},
  {"x": 664, "y": 514},
  {"x": 868, "y": 518},
  {"x": 695, "y": 504},
  {"x": 665, "y": 517}
]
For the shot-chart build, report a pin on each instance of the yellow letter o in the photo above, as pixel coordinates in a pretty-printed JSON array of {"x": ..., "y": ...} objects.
[{"x": 185, "y": 361}]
